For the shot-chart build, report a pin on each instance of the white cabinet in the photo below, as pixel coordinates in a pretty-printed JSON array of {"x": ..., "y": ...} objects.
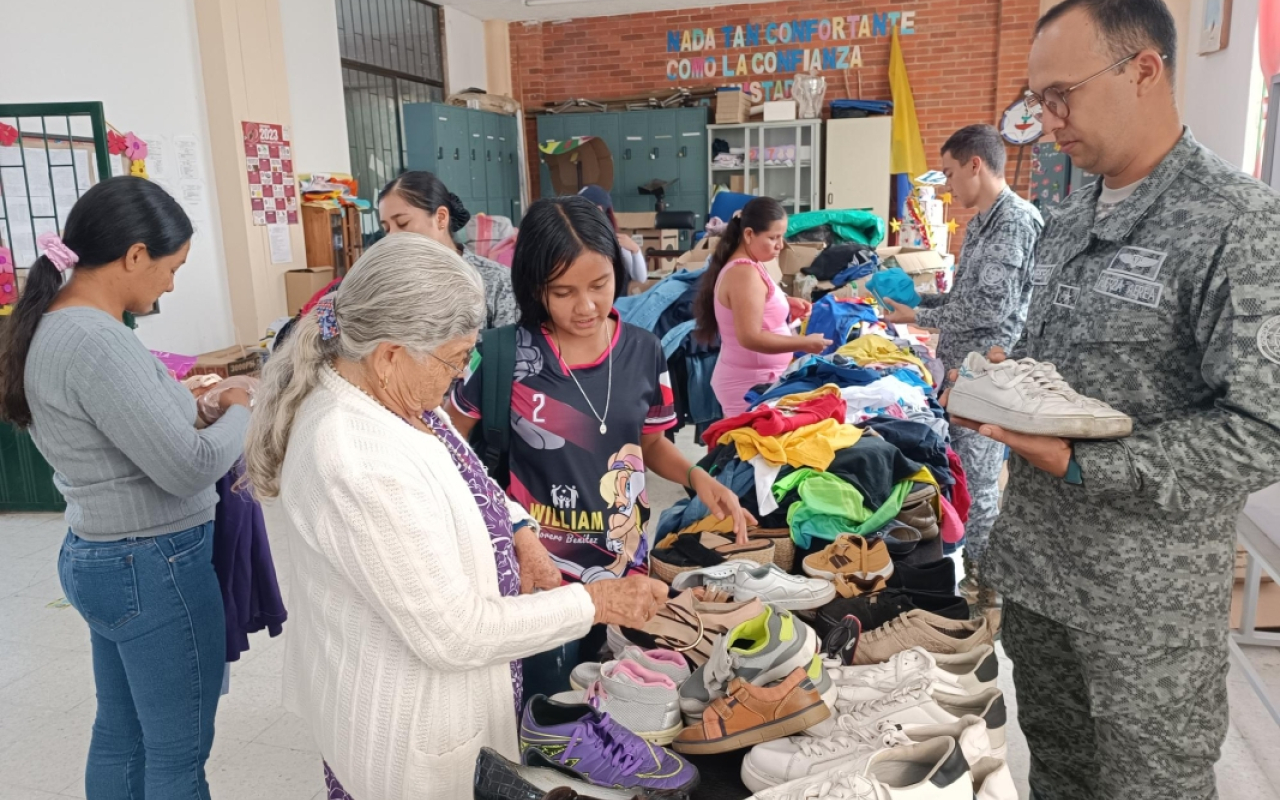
[
  {"x": 858, "y": 164},
  {"x": 782, "y": 160}
]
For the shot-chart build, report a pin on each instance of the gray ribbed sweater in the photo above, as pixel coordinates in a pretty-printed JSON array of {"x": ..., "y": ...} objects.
[{"x": 120, "y": 432}]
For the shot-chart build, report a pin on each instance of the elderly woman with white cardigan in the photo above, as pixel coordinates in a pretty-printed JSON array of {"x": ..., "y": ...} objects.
[{"x": 411, "y": 597}]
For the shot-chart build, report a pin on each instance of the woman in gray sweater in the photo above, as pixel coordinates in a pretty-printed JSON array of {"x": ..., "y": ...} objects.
[{"x": 138, "y": 479}]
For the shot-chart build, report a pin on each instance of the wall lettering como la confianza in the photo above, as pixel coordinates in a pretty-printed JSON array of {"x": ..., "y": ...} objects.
[{"x": 819, "y": 39}]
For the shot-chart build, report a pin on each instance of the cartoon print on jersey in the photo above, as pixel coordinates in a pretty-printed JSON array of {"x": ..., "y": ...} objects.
[{"x": 623, "y": 489}]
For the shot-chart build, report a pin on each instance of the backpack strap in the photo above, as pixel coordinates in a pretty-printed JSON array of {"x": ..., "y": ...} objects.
[{"x": 498, "y": 366}]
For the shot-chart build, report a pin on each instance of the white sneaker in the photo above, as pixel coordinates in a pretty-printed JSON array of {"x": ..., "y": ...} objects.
[
  {"x": 784, "y": 760},
  {"x": 644, "y": 702},
  {"x": 1031, "y": 397},
  {"x": 748, "y": 581},
  {"x": 934, "y": 770},
  {"x": 992, "y": 780},
  {"x": 777, "y": 762},
  {"x": 665, "y": 662},
  {"x": 925, "y": 702},
  {"x": 963, "y": 673}
]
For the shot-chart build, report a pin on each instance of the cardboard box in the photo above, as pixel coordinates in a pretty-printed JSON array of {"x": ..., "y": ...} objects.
[
  {"x": 737, "y": 183},
  {"x": 230, "y": 361},
  {"x": 582, "y": 166},
  {"x": 924, "y": 266},
  {"x": 783, "y": 269},
  {"x": 779, "y": 110},
  {"x": 733, "y": 106},
  {"x": 665, "y": 239},
  {"x": 300, "y": 285},
  {"x": 636, "y": 220}
]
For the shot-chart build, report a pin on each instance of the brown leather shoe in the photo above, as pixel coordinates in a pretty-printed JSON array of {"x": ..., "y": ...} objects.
[
  {"x": 853, "y": 586},
  {"x": 850, "y": 555},
  {"x": 920, "y": 510},
  {"x": 750, "y": 715}
]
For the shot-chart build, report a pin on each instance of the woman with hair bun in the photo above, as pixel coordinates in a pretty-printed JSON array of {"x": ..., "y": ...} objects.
[{"x": 419, "y": 202}]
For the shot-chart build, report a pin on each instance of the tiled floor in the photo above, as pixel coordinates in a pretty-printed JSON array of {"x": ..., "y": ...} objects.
[{"x": 261, "y": 751}]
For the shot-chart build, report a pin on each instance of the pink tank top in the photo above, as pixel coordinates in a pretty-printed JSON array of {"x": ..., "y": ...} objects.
[{"x": 739, "y": 369}]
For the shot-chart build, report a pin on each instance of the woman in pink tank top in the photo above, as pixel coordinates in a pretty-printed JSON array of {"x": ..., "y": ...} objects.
[{"x": 741, "y": 301}]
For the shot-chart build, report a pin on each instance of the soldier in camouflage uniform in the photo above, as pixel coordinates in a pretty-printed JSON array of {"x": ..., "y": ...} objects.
[
  {"x": 987, "y": 308},
  {"x": 1116, "y": 558}
]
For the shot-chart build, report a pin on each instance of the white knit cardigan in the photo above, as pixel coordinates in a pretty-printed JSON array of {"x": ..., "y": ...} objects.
[{"x": 398, "y": 642}]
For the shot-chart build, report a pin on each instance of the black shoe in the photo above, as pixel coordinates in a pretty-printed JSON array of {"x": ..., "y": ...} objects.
[
  {"x": 874, "y": 610},
  {"x": 497, "y": 778},
  {"x": 936, "y": 577}
]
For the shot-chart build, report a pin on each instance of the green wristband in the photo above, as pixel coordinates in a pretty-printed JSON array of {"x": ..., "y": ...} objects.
[{"x": 688, "y": 478}]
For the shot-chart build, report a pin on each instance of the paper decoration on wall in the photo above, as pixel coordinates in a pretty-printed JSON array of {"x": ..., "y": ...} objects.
[
  {"x": 945, "y": 197},
  {"x": 138, "y": 169},
  {"x": 134, "y": 148},
  {"x": 8, "y": 282},
  {"x": 8, "y": 135},
  {"x": 932, "y": 178},
  {"x": 115, "y": 143},
  {"x": 1018, "y": 125},
  {"x": 952, "y": 225},
  {"x": 273, "y": 194},
  {"x": 895, "y": 225}
]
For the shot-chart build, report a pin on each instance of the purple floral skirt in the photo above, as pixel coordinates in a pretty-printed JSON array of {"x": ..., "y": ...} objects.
[{"x": 335, "y": 790}]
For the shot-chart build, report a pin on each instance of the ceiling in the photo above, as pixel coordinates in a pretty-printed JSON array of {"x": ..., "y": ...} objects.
[{"x": 517, "y": 10}]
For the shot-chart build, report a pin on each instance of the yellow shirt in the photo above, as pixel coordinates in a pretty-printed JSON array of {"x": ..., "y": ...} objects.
[
  {"x": 879, "y": 350},
  {"x": 811, "y": 446}
]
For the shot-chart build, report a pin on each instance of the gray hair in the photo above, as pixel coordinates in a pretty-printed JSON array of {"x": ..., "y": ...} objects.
[{"x": 407, "y": 290}]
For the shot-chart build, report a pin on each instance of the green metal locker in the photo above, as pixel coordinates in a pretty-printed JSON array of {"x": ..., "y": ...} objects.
[
  {"x": 473, "y": 152},
  {"x": 550, "y": 128}
]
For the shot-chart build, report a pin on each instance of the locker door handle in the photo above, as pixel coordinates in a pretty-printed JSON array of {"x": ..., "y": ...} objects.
[
  {"x": 473, "y": 154},
  {"x": 457, "y": 154},
  {"x": 626, "y": 154},
  {"x": 684, "y": 152},
  {"x": 653, "y": 154},
  {"x": 831, "y": 198},
  {"x": 488, "y": 155},
  {"x": 440, "y": 155}
]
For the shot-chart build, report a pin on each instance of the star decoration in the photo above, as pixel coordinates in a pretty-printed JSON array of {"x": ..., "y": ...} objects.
[
  {"x": 895, "y": 225},
  {"x": 945, "y": 198},
  {"x": 952, "y": 225}
]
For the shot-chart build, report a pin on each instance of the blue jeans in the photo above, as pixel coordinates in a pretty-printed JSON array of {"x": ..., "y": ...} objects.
[{"x": 159, "y": 650}]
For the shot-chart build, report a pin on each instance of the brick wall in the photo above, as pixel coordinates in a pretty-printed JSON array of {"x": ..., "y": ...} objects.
[{"x": 966, "y": 58}]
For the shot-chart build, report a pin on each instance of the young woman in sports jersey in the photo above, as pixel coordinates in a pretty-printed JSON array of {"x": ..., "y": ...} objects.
[{"x": 590, "y": 403}]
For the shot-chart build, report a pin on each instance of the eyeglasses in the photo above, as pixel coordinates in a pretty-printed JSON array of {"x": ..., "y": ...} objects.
[
  {"x": 459, "y": 371},
  {"x": 1055, "y": 100}
]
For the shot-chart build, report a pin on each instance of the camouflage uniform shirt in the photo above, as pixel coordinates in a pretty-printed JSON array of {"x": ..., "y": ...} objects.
[
  {"x": 988, "y": 305},
  {"x": 1169, "y": 310}
]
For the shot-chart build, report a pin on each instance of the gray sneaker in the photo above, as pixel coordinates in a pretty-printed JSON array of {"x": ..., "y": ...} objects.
[
  {"x": 665, "y": 662},
  {"x": 760, "y": 651},
  {"x": 644, "y": 702}
]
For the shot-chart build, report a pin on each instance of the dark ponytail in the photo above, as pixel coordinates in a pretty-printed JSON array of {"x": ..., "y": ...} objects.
[
  {"x": 757, "y": 215},
  {"x": 105, "y": 222},
  {"x": 425, "y": 191}
]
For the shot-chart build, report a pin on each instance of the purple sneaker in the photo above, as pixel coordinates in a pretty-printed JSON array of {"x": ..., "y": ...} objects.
[{"x": 582, "y": 742}]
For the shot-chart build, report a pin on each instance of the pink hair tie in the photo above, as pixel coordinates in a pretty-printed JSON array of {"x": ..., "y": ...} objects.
[{"x": 61, "y": 256}]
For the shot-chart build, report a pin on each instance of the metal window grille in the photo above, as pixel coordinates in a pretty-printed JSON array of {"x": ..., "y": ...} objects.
[
  {"x": 391, "y": 55},
  {"x": 60, "y": 151}
]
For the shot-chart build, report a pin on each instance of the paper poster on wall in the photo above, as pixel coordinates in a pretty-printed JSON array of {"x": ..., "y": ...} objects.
[
  {"x": 281, "y": 247},
  {"x": 191, "y": 196},
  {"x": 273, "y": 193},
  {"x": 158, "y": 155},
  {"x": 186, "y": 154}
]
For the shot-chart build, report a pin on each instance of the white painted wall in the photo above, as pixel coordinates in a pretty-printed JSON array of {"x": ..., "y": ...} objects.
[
  {"x": 464, "y": 44},
  {"x": 310, "y": 29},
  {"x": 140, "y": 58},
  {"x": 1221, "y": 97}
]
